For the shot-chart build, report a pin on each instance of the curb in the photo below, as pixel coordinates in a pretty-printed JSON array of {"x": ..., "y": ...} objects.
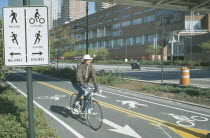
[{"x": 188, "y": 103}]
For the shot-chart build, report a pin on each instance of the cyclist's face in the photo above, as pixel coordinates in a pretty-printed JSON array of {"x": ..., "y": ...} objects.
[{"x": 88, "y": 62}]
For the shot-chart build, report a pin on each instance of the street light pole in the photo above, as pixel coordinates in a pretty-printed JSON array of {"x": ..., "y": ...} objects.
[
  {"x": 87, "y": 43},
  {"x": 163, "y": 44}
]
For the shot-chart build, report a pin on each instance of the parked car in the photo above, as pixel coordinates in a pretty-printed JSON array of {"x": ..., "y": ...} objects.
[
  {"x": 52, "y": 62},
  {"x": 77, "y": 58},
  {"x": 135, "y": 65}
]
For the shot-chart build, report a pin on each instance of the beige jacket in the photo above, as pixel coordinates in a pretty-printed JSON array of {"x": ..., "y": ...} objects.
[{"x": 82, "y": 77}]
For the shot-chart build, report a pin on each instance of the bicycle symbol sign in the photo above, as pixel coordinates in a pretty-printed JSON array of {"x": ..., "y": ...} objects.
[
  {"x": 37, "y": 18},
  {"x": 188, "y": 122}
]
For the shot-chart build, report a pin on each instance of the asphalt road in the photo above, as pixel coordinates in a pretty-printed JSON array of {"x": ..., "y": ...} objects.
[
  {"x": 125, "y": 114},
  {"x": 199, "y": 78}
]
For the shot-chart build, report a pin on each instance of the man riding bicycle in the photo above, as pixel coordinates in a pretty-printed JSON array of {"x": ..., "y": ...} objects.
[{"x": 85, "y": 72}]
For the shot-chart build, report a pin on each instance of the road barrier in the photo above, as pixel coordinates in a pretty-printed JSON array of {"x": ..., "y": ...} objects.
[{"x": 185, "y": 76}]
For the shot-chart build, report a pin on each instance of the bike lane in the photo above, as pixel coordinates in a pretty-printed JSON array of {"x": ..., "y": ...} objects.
[{"x": 147, "y": 119}]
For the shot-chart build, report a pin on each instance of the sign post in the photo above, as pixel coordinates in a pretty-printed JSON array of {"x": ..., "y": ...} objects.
[{"x": 26, "y": 44}]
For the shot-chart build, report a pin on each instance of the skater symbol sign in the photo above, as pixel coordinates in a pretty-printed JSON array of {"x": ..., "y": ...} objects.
[{"x": 25, "y": 36}]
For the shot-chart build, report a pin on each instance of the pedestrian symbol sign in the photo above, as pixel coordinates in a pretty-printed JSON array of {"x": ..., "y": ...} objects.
[{"x": 26, "y": 36}]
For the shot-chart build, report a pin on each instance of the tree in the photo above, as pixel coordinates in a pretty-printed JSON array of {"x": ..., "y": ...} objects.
[
  {"x": 80, "y": 52},
  {"x": 61, "y": 41},
  {"x": 151, "y": 51},
  {"x": 92, "y": 52},
  {"x": 206, "y": 46},
  {"x": 103, "y": 53},
  {"x": 69, "y": 54}
]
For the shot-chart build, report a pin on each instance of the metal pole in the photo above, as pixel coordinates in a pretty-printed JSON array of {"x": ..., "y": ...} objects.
[
  {"x": 30, "y": 102},
  {"x": 87, "y": 43},
  {"x": 162, "y": 58},
  {"x": 30, "y": 93},
  {"x": 163, "y": 44},
  {"x": 172, "y": 46},
  {"x": 191, "y": 48},
  {"x": 126, "y": 48},
  {"x": 156, "y": 39}
]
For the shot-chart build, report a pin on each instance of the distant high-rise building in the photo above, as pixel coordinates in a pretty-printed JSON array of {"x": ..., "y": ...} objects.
[
  {"x": 100, "y": 6},
  {"x": 54, "y": 12},
  {"x": 72, "y": 10}
]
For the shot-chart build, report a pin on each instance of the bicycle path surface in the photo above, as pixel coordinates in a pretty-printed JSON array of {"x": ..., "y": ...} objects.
[{"x": 125, "y": 114}]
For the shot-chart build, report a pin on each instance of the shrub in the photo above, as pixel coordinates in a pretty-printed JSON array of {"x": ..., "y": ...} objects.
[
  {"x": 14, "y": 117},
  {"x": 109, "y": 78}
]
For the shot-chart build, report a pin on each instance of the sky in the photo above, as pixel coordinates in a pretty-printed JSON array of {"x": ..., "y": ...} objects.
[
  {"x": 5, "y": 3},
  {"x": 91, "y": 7},
  {"x": 2, "y": 4}
]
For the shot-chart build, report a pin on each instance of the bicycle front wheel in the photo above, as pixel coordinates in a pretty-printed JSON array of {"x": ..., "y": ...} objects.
[
  {"x": 74, "y": 111},
  {"x": 95, "y": 116}
]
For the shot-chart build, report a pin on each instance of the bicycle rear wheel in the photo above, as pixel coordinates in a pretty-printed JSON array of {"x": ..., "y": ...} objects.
[
  {"x": 75, "y": 112},
  {"x": 95, "y": 115}
]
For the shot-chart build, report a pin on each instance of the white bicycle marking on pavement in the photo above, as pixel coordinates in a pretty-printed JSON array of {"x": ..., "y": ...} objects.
[
  {"x": 132, "y": 104},
  {"x": 186, "y": 121},
  {"x": 55, "y": 97}
]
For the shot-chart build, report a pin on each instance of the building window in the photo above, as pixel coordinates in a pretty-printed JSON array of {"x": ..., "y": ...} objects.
[
  {"x": 137, "y": 21},
  {"x": 117, "y": 33},
  {"x": 193, "y": 25},
  {"x": 116, "y": 43},
  {"x": 126, "y": 23},
  {"x": 137, "y": 13},
  {"x": 138, "y": 40},
  {"x": 127, "y": 41},
  {"x": 108, "y": 44},
  {"x": 116, "y": 26},
  {"x": 149, "y": 19},
  {"x": 148, "y": 10},
  {"x": 126, "y": 16},
  {"x": 150, "y": 38}
]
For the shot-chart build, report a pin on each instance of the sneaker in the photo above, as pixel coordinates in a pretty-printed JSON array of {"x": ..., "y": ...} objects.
[
  {"x": 75, "y": 111},
  {"x": 76, "y": 105},
  {"x": 84, "y": 114}
]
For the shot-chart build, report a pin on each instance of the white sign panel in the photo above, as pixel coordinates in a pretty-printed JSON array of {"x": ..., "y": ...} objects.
[{"x": 26, "y": 36}]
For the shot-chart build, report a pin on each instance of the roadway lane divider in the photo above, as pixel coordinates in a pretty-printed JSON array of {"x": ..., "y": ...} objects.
[{"x": 182, "y": 131}]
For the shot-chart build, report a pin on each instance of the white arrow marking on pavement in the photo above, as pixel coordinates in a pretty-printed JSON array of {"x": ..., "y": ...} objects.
[
  {"x": 126, "y": 130},
  {"x": 132, "y": 104},
  {"x": 100, "y": 95}
]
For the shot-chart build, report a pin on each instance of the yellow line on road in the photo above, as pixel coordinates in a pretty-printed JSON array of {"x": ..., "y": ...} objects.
[{"x": 182, "y": 131}]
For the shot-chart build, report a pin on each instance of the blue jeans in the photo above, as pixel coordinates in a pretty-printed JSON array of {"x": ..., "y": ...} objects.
[{"x": 86, "y": 96}]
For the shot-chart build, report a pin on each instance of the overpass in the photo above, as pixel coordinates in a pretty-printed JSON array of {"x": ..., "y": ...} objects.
[{"x": 184, "y": 5}]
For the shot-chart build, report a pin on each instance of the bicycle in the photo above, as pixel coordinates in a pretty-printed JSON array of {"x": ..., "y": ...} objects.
[
  {"x": 94, "y": 113},
  {"x": 32, "y": 20}
]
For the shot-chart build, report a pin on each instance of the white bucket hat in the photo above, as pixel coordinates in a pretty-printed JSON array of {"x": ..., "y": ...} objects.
[{"x": 87, "y": 57}]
